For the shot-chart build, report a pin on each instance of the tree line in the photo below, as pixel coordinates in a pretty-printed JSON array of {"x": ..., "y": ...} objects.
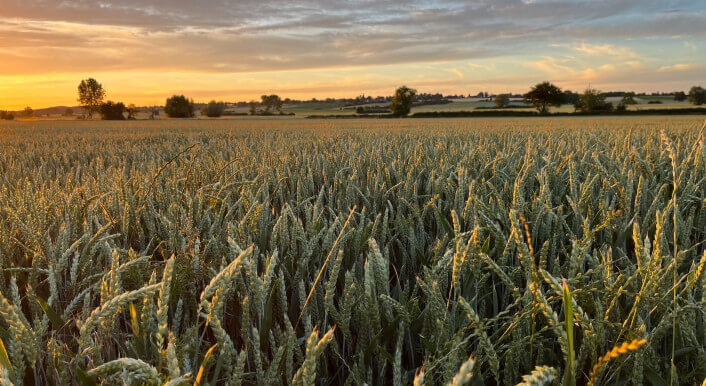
[
  {"x": 542, "y": 96},
  {"x": 91, "y": 96},
  {"x": 545, "y": 95}
]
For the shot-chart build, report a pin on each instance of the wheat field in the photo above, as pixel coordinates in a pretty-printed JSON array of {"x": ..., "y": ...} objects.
[{"x": 499, "y": 251}]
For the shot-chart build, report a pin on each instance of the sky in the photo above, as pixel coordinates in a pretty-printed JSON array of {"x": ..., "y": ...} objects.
[{"x": 143, "y": 51}]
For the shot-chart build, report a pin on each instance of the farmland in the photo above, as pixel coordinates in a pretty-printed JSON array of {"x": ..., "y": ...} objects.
[
  {"x": 277, "y": 251},
  {"x": 475, "y": 103},
  {"x": 322, "y": 109}
]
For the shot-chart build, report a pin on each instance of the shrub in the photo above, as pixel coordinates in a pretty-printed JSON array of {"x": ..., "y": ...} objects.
[
  {"x": 502, "y": 100},
  {"x": 112, "y": 111},
  {"x": 178, "y": 106},
  {"x": 592, "y": 100},
  {"x": 131, "y": 111},
  {"x": 213, "y": 109},
  {"x": 629, "y": 99},
  {"x": 372, "y": 110}
]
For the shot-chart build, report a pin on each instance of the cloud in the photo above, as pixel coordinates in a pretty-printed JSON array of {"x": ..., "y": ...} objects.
[
  {"x": 353, "y": 43},
  {"x": 677, "y": 67},
  {"x": 690, "y": 46},
  {"x": 456, "y": 72},
  {"x": 249, "y": 35},
  {"x": 608, "y": 50},
  {"x": 634, "y": 65},
  {"x": 552, "y": 65}
]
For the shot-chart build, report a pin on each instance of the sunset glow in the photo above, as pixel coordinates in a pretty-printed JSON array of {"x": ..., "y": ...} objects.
[{"x": 143, "y": 51}]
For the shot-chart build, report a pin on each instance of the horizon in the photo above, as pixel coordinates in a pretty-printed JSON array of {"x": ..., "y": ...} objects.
[
  {"x": 338, "y": 99},
  {"x": 145, "y": 51}
]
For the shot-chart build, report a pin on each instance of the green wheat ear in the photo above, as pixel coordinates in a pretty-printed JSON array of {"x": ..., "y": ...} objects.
[
  {"x": 569, "y": 376},
  {"x": 429, "y": 251}
]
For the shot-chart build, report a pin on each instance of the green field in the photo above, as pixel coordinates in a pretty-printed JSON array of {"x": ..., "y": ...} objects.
[
  {"x": 306, "y": 109},
  {"x": 278, "y": 251},
  {"x": 462, "y": 105}
]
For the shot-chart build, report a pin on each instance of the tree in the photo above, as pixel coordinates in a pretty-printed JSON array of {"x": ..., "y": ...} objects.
[
  {"x": 592, "y": 100},
  {"x": 6, "y": 116},
  {"x": 502, "y": 100},
  {"x": 680, "y": 96},
  {"x": 213, "y": 109},
  {"x": 629, "y": 98},
  {"x": 132, "y": 111},
  {"x": 252, "y": 107},
  {"x": 69, "y": 112},
  {"x": 28, "y": 112},
  {"x": 401, "y": 103},
  {"x": 90, "y": 96},
  {"x": 272, "y": 102},
  {"x": 543, "y": 95},
  {"x": 111, "y": 111},
  {"x": 571, "y": 97},
  {"x": 697, "y": 95},
  {"x": 178, "y": 106}
]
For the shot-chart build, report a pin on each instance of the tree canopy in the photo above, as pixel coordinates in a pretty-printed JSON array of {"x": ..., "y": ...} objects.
[
  {"x": 544, "y": 95},
  {"x": 401, "y": 103},
  {"x": 271, "y": 103},
  {"x": 697, "y": 95},
  {"x": 90, "y": 96}
]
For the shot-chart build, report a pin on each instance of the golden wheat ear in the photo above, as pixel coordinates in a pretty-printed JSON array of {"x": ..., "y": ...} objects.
[
  {"x": 612, "y": 354},
  {"x": 541, "y": 375}
]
